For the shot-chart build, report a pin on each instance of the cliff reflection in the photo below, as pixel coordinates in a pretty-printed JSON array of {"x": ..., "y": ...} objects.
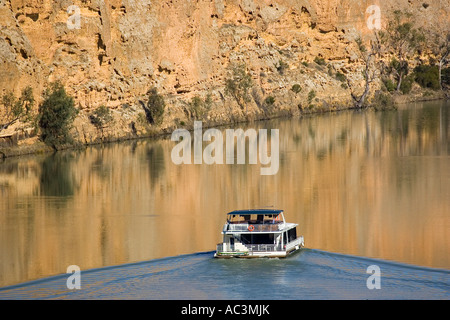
[{"x": 366, "y": 183}]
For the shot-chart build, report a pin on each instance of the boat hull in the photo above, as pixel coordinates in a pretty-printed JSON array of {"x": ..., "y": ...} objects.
[{"x": 262, "y": 254}]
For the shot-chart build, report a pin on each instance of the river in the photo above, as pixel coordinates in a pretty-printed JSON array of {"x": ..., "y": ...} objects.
[{"x": 365, "y": 187}]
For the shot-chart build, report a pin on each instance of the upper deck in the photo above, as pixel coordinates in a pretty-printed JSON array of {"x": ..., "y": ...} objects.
[{"x": 257, "y": 220}]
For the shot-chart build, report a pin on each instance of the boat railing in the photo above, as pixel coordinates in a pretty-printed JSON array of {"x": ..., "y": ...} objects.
[
  {"x": 251, "y": 248},
  {"x": 253, "y": 227},
  {"x": 263, "y": 247}
]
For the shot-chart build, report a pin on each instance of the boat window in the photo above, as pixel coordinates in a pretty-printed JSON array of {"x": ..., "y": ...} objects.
[
  {"x": 292, "y": 234},
  {"x": 254, "y": 238},
  {"x": 236, "y": 219}
]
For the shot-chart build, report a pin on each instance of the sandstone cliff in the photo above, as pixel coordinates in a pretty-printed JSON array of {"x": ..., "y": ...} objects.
[{"x": 121, "y": 48}]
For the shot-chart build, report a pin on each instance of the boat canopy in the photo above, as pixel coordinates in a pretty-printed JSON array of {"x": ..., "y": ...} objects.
[{"x": 255, "y": 211}]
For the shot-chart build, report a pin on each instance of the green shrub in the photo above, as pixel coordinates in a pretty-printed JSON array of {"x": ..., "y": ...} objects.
[
  {"x": 198, "y": 107},
  {"x": 296, "y": 88},
  {"x": 311, "y": 96},
  {"x": 427, "y": 76},
  {"x": 155, "y": 107},
  {"x": 239, "y": 84},
  {"x": 383, "y": 101},
  {"x": 142, "y": 119},
  {"x": 56, "y": 114},
  {"x": 282, "y": 67},
  {"x": 407, "y": 83},
  {"x": 390, "y": 86},
  {"x": 341, "y": 77},
  {"x": 101, "y": 117},
  {"x": 320, "y": 61},
  {"x": 399, "y": 68},
  {"x": 269, "y": 101},
  {"x": 445, "y": 77}
]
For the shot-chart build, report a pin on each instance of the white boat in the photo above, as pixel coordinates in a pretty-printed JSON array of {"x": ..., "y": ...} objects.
[{"x": 258, "y": 233}]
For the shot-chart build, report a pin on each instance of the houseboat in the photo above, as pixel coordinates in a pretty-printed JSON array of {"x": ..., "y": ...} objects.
[{"x": 258, "y": 233}]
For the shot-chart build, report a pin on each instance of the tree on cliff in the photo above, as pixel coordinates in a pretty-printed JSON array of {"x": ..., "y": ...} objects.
[
  {"x": 371, "y": 71},
  {"x": 403, "y": 40},
  {"x": 17, "y": 108},
  {"x": 238, "y": 85},
  {"x": 56, "y": 114},
  {"x": 439, "y": 46},
  {"x": 154, "y": 110}
]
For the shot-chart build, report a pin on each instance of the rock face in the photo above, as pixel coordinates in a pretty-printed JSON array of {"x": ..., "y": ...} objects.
[{"x": 111, "y": 52}]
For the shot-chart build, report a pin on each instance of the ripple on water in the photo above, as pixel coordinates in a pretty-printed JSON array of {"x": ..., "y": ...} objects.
[{"x": 310, "y": 274}]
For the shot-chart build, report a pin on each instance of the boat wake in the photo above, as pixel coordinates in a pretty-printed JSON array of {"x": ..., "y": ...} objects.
[{"x": 308, "y": 274}]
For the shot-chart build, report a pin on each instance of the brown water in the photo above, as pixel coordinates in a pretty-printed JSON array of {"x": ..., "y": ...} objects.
[{"x": 372, "y": 184}]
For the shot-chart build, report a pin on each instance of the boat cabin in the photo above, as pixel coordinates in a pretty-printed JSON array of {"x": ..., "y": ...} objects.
[{"x": 258, "y": 233}]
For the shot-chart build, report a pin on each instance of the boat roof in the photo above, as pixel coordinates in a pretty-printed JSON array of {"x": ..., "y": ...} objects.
[{"x": 255, "y": 211}]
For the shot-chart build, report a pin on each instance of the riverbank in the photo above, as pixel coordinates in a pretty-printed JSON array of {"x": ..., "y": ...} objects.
[
  {"x": 85, "y": 134},
  {"x": 35, "y": 145}
]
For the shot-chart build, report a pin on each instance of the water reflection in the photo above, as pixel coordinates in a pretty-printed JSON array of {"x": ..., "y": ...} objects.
[
  {"x": 56, "y": 176},
  {"x": 364, "y": 183},
  {"x": 155, "y": 159}
]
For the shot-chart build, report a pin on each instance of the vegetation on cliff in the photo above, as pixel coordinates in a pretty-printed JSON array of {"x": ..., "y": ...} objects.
[
  {"x": 154, "y": 110},
  {"x": 101, "y": 117},
  {"x": 403, "y": 39},
  {"x": 238, "y": 85},
  {"x": 391, "y": 55},
  {"x": 15, "y": 109},
  {"x": 56, "y": 114}
]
